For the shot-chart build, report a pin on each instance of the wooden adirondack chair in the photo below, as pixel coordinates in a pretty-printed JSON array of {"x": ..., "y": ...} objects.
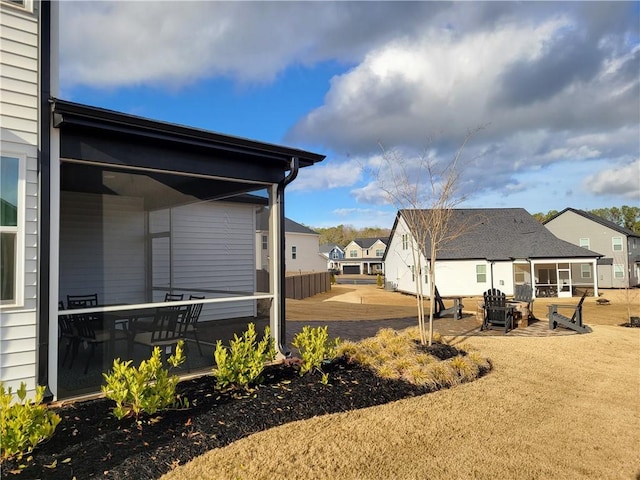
[
  {"x": 496, "y": 311},
  {"x": 574, "y": 323},
  {"x": 440, "y": 310}
]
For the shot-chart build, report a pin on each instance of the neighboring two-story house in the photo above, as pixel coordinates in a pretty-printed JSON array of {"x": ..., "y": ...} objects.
[
  {"x": 364, "y": 256},
  {"x": 620, "y": 247},
  {"x": 302, "y": 246},
  {"x": 332, "y": 254}
]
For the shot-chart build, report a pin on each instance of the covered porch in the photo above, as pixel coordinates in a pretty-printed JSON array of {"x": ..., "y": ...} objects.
[{"x": 146, "y": 217}]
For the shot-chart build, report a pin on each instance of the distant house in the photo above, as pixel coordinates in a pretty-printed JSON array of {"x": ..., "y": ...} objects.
[
  {"x": 620, "y": 265},
  {"x": 302, "y": 246},
  {"x": 364, "y": 256},
  {"x": 333, "y": 254},
  {"x": 502, "y": 247}
]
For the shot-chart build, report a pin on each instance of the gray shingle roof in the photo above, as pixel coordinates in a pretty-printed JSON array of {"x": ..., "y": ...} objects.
[
  {"x": 597, "y": 219},
  {"x": 368, "y": 242},
  {"x": 505, "y": 234},
  {"x": 262, "y": 224}
]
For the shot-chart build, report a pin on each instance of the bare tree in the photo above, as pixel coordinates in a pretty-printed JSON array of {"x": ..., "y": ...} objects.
[{"x": 426, "y": 190}]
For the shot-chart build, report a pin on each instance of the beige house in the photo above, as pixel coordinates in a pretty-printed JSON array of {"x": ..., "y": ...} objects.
[{"x": 364, "y": 256}]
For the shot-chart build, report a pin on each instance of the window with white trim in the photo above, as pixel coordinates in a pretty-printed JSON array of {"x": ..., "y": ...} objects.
[
  {"x": 585, "y": 243},
  {"x": 616, "y": 244},
  {"x": 21, "y": 4},
  {"x": 11, "y": 187},
  {"x": 294, "y": 252},
  {"x": 405, "y": 241},
  {"x": 379, "y": 252},
  {"x": 481, "y": 273},
  {"x": 618, "y": 271},
  {"x": 265, "y": 242},
  {"x": 585, "y": 270},
  {"x": 353, "y": 253}
]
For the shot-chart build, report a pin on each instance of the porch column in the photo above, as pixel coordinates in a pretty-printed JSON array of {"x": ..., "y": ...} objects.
[
  {"x": 533, "y": 279},
  {"x": 594, "y": 269},
  {"x": 276, "y": 269}
]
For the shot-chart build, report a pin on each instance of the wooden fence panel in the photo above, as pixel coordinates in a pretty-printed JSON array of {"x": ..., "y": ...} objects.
[{"x": 297, "y": 286}]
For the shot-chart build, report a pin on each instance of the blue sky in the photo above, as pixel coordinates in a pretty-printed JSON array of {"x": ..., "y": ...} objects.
[{"x": 554, "y": 86}]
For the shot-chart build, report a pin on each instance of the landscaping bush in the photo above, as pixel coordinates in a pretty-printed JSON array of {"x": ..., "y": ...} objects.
[
  {"x": 315, "y": 347},
  {"x": 25, "y": 423},
  {"x": 242, "y": 363},
  {"x": 148, "y": 388}
]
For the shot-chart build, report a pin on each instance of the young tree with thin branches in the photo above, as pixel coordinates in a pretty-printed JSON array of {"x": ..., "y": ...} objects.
[{"x": 426, "y": 191}]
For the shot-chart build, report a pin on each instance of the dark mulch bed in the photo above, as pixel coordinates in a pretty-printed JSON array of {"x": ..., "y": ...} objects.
[{"x": 91, "y": 443}]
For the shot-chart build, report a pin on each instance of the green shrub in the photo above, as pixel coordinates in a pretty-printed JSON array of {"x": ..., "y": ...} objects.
[
  {"x": 315, "y": 347},
  {"x": 379, "y": 281},
  {"x": 24, "y": 424},
  {"x": 148, "y": 388},
  {"x": 242, "y": 363}
]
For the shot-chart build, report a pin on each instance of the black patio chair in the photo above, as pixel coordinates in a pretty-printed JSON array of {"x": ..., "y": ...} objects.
[
  {"x": 173, "y": 297},
  {"x": 192, "y": 319},
  {"x": 82, "y": 301},
  {"x": 87, "y": 333},
  {"x": 496, "y": 311},
  {"x": 168, "y": 328},
  {"x": 66, "y": 332}
]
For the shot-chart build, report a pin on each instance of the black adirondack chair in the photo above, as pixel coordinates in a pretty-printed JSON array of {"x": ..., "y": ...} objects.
[
  {"x": 497, "y": 313},
  {"x": 574, "y": 323},
  {"x": 440, "y": 310}
]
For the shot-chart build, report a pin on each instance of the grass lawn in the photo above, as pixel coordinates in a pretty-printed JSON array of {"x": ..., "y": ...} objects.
[{"x": 553, "y": 407}]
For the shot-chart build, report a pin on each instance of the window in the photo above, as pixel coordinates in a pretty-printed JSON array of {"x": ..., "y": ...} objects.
[
  {"x": 413, "y": 273},
  {"x": 617, "y": 244},
  {"x": 11, "y": 176},
  {"x": 353, "y": 253},
  {"x": 618, "y": 271},
  {"x": 379, "y": 252},
  {"x": 265, "y": 242},
  {"x": 23, "y": 4},
  {"x": 294, "y": 252},
  {"x": 335, "y": 254},
  {"x": 585, "y": 270},
  {"x": 405, "y": 241},
  {"x": 584, "y": 243},
  {"x": 481, "y": 273}
]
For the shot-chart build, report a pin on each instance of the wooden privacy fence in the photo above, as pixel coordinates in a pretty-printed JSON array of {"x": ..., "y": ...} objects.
[{"x": 298, "y": 286}]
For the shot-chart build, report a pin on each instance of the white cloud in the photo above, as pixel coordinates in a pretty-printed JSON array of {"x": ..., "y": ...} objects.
[
  {"x": 328, "y": 175},
  {"x": 621, "y": 181}
]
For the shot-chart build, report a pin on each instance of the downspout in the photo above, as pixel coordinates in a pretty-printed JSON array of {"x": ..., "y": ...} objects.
[
  {"x": 44, "y": 197},
  {"x": 294, "y": 166}
]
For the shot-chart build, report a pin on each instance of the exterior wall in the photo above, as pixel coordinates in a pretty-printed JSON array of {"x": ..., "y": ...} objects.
[
  {"x": 308, "y": 258},
  {"x": 102, "y": 247},
  {"x": 19, "y": 90},
  {"x": 213, "y": 247},
  {"x": 399, "y": 262},
  {"x": 572, "y": 227}
]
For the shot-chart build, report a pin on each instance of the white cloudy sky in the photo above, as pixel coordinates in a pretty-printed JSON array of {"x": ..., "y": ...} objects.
[{"x": 554, "y": 86}]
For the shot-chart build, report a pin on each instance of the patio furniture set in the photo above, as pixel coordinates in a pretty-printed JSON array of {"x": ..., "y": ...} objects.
[{"x": 152, "y": 326}]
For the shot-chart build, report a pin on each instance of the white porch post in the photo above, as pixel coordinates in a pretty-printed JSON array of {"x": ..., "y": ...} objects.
[
  {"x": 533, "y": 278},
  {"x": 276, "y": 249},
  {"x": 594, "y": 269}
]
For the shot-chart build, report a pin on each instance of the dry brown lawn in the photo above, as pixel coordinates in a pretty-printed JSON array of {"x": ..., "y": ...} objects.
[{"x": 559, "y": 407}]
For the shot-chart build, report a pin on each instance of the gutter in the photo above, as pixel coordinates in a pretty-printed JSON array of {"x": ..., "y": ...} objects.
[{"x": 294, "y": 166}]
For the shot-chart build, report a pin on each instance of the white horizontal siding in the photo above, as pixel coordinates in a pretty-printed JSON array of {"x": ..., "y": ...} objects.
[
  {"x": 19, "y": 135},
  {"x": 213, "y": 248},
  {"x": 102, "y": 247}
]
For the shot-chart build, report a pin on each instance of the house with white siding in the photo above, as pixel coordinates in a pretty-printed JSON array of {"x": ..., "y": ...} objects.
[
  {"x": 619, "y": 266},
  {"x": 302, "y": 246},
  {"x": 364, "y": 256},
  {"x": 498, "y": 248},
  {"x": 123, "y": 208}
]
